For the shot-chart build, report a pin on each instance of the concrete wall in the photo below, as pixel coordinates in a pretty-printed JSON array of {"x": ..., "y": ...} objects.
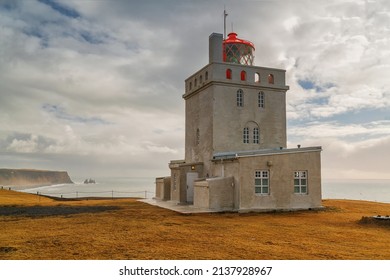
[
  {"x": 215, "y": 193},
  {"x": 214, "y": 122},
  {"x": 281, "y": 184},
  {"x": 202, "y": 194},
  {"x": 215, "y": 48},
  {"x": 216, "y": 72},
  {"x": 230, "y": 120},
  {"x": 281, "y": 167},
  {"x": 163, "y": 188},
  {"x": 199, "y": 128}
]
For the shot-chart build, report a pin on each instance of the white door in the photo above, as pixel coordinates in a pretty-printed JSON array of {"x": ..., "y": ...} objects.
[{"x": 191, "y": 177}]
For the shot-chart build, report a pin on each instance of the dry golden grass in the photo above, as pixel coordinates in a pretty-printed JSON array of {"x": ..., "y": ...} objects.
[{"x": 128, "y": 229}]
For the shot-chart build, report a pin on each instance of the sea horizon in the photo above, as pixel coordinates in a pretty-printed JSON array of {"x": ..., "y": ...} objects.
[{"x": 377, "y": 190}]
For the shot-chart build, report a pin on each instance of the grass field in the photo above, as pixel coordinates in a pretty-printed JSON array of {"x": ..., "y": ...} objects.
[{"x": 33, "y": 227}]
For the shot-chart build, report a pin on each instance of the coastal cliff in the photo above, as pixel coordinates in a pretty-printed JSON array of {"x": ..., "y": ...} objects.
[{"x": 32, "y": 177}]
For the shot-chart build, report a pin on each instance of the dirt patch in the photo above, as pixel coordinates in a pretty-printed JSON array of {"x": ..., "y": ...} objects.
[
  {"x": 7, "y": 249},
  {"x": 381, "y": 221},
  {"x": 34, "y": 211}
]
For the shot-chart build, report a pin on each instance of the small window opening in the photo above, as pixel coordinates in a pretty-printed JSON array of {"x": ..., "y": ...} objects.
[
  {"x": 243, "y": 76},
  {"x": 271, "y": 79},
  {"x": 257, "y": 78},
  {"x": 228, "y": 74}
]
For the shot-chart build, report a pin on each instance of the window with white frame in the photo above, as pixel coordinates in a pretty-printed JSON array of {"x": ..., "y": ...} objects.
[
  {"x": 260, "y": 99},
  {"x": 261, "y": 182},
  {"x": 245, "y": 135},
  {"x": 256, "y": 135},
  {"x": 300, "y": 182},
  {"x": 240, "y": 98}
]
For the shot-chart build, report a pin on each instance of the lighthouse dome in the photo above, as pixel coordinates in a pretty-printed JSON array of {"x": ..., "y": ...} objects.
[{"x": 239, "y": 51}]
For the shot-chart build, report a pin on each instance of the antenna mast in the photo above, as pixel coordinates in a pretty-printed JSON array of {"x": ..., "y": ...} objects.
[{"x": 224, "y": 22}]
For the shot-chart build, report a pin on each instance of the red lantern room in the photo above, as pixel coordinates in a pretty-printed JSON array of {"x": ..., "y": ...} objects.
[{"x": 238, "y": 51}]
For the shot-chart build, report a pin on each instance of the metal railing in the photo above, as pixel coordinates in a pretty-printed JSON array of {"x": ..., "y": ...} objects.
[{"x": 85, "y": 194}]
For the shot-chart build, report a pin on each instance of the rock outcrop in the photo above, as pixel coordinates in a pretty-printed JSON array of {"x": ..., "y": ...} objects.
[{"x": 32, "y": 177}]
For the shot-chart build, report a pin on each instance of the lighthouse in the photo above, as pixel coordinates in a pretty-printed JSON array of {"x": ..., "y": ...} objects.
[{"x": 236, "y": 156}]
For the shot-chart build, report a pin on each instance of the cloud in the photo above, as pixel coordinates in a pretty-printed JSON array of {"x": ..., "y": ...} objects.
[{"x": 98, "y": 84}]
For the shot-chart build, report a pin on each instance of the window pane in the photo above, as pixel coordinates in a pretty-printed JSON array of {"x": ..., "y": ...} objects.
[
  {"x": 265, "y": 182},
  {"x": 265, "y": 190},
  {"x": 303, "y": 189},
  {"x": 296, "y": 189},
  {"x": 257, "y": 189},
  {"x": 257, "y": 182},
  {"x": 303, "y": 182},
  {"x": 296, "y": 182},
  {"x": 265, "y": 174}
]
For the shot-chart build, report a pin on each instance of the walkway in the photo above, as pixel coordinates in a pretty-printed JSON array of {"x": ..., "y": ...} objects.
[{"x": 171, "y": 205}]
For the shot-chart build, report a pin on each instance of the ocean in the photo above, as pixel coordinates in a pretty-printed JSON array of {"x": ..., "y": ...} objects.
[
  {"x": 144, "y": 187},
  {"x": 371, "y": 190}
]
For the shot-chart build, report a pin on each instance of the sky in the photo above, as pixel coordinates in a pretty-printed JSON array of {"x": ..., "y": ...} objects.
[{"x": 95, "y": 87}]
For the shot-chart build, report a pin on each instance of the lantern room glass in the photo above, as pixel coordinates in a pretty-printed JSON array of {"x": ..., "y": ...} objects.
[{"x": 238, "y": 51}]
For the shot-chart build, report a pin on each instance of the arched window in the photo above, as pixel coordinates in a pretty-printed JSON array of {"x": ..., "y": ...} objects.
[
  {"x": 257, "y": 77},
  {"x": 196, "y": 83},
  {"x": 245, "y": 135},
  {"x": 190, "y": 85},
  {"x": 271, "y": 79},
  {"x": 260, "y": 99},
  {"x": 228, "y": 74},
  {"x": 240, "y": 98},
  {"x": 251, "y": 133},
  {"x": 200, "y": 79},
  {"x": 256, "y": 135},
  {"x": 197, "y": 136},
  {"x": 243, "y": 76},
  {"x": 206, "y": 76}
]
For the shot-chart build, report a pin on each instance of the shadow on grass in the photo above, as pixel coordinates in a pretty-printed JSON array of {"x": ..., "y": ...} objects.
[{"x": 41, "y": 211}]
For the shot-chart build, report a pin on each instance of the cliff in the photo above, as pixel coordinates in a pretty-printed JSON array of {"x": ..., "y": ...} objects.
[{"x": 32, "y": 177}]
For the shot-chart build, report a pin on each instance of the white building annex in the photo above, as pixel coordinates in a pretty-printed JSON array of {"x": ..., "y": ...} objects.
[{"x": 236, "y": 155}]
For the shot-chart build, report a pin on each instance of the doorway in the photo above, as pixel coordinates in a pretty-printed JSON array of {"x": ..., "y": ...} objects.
[{"x": 191, "y": 177}]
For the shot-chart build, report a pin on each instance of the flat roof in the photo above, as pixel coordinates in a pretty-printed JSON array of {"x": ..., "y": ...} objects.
[{"x": 239, "y": 154}]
